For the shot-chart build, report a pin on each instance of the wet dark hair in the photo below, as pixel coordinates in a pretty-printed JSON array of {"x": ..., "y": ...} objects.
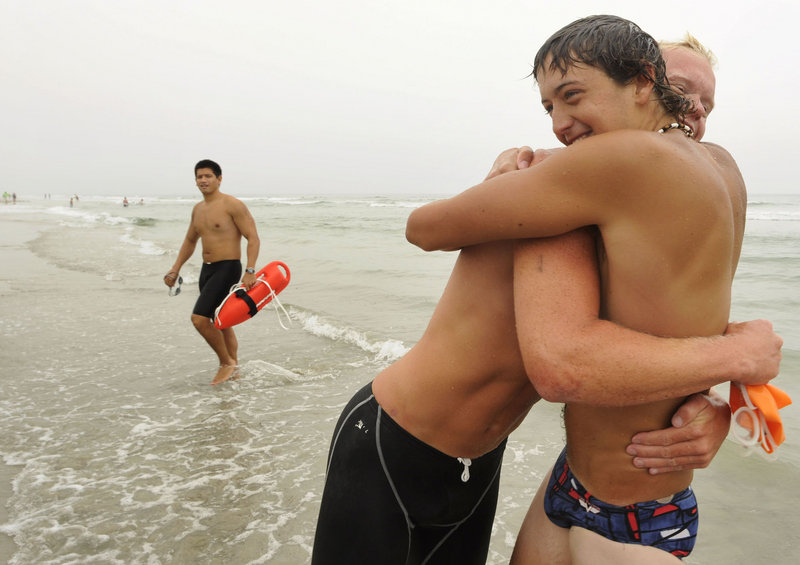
[
  {"x": 617, "y": 46},
  {"x": 208, "y": 164}
]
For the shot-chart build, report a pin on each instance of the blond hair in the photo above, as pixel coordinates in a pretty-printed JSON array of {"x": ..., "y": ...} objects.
[{"x": 691, "y": 43}]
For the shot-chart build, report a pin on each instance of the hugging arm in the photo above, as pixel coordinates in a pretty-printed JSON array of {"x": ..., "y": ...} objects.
[
  {"x": 572, "y": 356},
  {"x": 552, "y": 198}
]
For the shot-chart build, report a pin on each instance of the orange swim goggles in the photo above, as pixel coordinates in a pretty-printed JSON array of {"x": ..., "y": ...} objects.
[{"x": 755, "y": 416}]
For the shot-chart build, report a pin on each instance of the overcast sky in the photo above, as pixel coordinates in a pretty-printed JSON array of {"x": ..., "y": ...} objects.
[{"x": 313, "y": 97}]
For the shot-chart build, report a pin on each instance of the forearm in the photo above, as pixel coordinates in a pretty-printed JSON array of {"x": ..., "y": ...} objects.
[
  {"x": 609, "y": 365},
  {"x": 447, "y": 225},
  {"x": 253, "y": 248},
  {"x": 571, "y": 355},
  {"x": 552, "y": 198}
]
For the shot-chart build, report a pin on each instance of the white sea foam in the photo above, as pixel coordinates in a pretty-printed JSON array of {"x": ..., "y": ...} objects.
[
  {"x": 144, "y": 247},
  {"x": 399, "y": 204},
  {"x": 384, "y": 350},
  {"x": 124, "y": 454}
]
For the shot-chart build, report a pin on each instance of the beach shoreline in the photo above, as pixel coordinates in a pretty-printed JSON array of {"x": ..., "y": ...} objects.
[
  {"x": 17, "y": 259},
  {"x": 116, "y": 449}
]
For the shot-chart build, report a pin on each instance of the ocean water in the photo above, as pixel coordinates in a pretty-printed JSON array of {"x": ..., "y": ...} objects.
[{"x": 121, "y": 453}]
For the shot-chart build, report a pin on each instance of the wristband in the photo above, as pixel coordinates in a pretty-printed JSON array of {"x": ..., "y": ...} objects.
[{"x": 250, "y": 271}]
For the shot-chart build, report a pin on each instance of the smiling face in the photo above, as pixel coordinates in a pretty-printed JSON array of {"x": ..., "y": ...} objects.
[
  {"x": 585, "y": 101},
  {"x": 691, "y": 74}
]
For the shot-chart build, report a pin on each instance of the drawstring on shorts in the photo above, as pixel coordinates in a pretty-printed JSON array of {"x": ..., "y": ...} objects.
[{"x": 466, "y": 461}]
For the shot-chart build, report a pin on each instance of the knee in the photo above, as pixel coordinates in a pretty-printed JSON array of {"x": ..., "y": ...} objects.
[{"x": 200, "y": 322}]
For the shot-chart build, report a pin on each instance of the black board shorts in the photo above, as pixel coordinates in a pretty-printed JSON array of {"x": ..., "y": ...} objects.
[{"x": 216, "y": 280}]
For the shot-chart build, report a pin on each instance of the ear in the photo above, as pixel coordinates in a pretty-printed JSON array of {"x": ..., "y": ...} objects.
[{"x": 644, "y": 84}]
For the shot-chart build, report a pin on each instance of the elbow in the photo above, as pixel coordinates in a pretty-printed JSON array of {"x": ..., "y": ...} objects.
[
  {"x": 416, "y": 232},
  {"x": 554, "y": 377}
]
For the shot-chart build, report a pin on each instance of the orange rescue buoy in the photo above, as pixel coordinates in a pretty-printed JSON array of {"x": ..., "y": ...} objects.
[{"x": 241, "y": 304}]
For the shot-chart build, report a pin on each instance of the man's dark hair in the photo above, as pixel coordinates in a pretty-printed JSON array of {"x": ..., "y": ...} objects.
[
  {"x": 208, "y": 164},
  {"x": 617, "y": 46}
]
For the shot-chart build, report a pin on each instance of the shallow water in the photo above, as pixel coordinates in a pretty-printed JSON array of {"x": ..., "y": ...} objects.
[{"x": 124, "y": 454}]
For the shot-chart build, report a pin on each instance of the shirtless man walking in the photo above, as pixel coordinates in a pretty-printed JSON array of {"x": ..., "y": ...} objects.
[
  {"x": 414, "y": 464},
  {"x": 219, "y": 221},
  {"x": 669, "y": 219}
]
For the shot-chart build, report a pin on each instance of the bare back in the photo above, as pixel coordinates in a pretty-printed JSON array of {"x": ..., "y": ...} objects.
[
  {"x": 666, "y": 270},
  {"x": 463, "y": 388}
]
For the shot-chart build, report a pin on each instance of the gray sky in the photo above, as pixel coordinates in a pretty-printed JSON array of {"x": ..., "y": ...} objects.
[{"x": 314, "y": 97}]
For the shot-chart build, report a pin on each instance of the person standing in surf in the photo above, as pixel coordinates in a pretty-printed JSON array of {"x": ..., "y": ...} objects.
[
  {"x": 415, "y": 458},
  {"x": 219, "y": 221},
  {"x": 660, "y": 217}
]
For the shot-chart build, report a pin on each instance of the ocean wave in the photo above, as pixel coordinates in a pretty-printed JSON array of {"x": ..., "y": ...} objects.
[
  {"x": 144, "y": 246},
  {"x": 774, "y": 214},
  {"x": 399, "y": 204},
  {"x": 270, "y": 374},
  {"x": 288, "y": 201},
  {"x": 388, "y": 350},
  {"x": 98, "y": 217}
]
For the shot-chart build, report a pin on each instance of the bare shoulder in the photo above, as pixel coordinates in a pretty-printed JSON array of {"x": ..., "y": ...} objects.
[
  {"x": 233, "y": 204},
  {"x": 721, "y": 155},
  {"x": 618, "y": 147},
  {"x": 623, "y": 153},
  {"x": 197, "y": 207},
  {"x": 730, "y": 172}
]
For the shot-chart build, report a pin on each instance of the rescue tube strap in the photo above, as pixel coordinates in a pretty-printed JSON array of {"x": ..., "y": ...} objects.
[
  {"x": 276, "y": 303},
  {"x": 242, "y": 293},
  {"x": 239, "y": 291}
]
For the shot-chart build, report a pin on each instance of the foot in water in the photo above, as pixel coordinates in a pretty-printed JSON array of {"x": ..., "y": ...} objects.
[{"x": 225, "y": 373}]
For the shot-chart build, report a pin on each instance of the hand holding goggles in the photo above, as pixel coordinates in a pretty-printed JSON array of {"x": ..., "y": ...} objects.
[{"x": 175, "y": 289}]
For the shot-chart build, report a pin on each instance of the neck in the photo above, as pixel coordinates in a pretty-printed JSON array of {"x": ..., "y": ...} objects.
[
  {"x": 659, "y": 118},
  {"x": 212, "y": 196}
]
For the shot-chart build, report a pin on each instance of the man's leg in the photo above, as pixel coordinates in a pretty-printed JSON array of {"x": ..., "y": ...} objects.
[
  {"x": 232, "y": 344},
  {"x": 590, "y": 548},
  {"x": 540, "y": 541},
  {"x": 216, "y": 340}
]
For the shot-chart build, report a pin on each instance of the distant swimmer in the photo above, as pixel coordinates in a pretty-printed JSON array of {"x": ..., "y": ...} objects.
[
  {"x": 219, "y": 221},
  {"x": 125, "y": 202}
]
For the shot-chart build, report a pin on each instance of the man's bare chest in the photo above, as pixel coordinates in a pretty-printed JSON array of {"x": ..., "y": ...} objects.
[{"x": 212, "y": 221}]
